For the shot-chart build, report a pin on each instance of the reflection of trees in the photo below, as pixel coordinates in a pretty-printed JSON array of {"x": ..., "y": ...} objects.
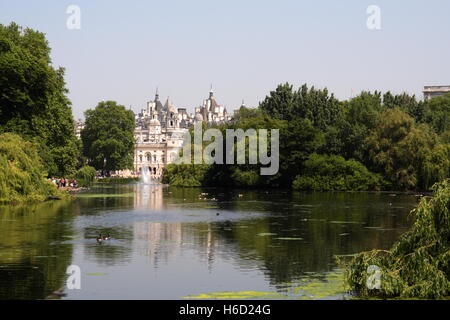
[
  {"x": 31, "y": 266},
  {"x": 330, "y": 224}
]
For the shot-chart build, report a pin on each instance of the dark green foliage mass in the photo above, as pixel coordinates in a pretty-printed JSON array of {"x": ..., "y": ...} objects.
[
  {"x": 108, "y": 137},
  {"x": 437, "y": 113},
  {"x": 369, "y": 142},
  {"x": 33, "y": 101},
  {"x": 334, "y": 173}
]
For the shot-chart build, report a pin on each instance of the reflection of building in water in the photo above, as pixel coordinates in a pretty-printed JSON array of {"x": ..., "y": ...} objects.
[
  {"x": 160, "y": 241},
  {"x": 148, "y": 197}
]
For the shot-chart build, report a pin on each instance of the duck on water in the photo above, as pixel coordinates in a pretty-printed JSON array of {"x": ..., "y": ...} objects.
[{"x": 101, "y": 238}]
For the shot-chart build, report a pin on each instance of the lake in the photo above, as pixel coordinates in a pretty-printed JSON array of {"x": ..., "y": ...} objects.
[{"x": 174, "y": 243}]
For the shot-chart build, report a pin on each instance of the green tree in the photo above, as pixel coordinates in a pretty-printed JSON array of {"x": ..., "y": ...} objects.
[
  {"x": 318, "y": 106},
  {"x": 436, "y": 166},
  {"x": 108, "y": 137},
  {"x": 298, "y": 139},
  {"x": 334, "y": 173},
  {"x": 398, "y": 147},
  {"x": 406, "y": 103},
  {"x": 33, "y": 101},
  {"x": 280, "y": 103},
  {"x": 247, "y": 113},
  {"x": 22, "y": 174},
  {"x": 85, "y": 176},
  {"x": 438, "y": 113},
  {"x": 361, "y": 114},
  {"x": 418, "y": 265}
]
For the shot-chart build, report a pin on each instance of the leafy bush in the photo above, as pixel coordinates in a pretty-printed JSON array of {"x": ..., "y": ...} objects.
[
  {"x": 247, "y": 178},
  {"x": 418, "y": 265},
  {"x": 85, "y": 176},
  {"x": 334, "y": 173},
  {"x": 436, "y": 166},
  {"x": 185, "y": 175},
  {"x": 22, "y": 175}
]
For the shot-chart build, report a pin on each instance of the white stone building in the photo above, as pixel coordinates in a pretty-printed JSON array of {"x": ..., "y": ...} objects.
[
  {"x": 435, "y": 91},
  {"x": 159, "y": 135},
  {"x": 211, "y": 112},
  {"x": 160, "y": 131}
]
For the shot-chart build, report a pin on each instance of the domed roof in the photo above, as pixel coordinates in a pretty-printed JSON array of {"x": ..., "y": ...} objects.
[{"x": 155, "y": 122}]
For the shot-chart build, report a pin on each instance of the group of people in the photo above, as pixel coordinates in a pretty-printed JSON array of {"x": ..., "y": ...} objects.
[{"x": 63, "y": 182}]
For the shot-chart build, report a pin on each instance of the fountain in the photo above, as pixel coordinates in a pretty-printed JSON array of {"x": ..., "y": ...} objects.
[{"x": 146, "y": 176}]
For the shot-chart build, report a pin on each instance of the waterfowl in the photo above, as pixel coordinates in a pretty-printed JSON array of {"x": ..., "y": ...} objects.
[
  {"x": 100, "y": 239},
  {"x": 217, "y": 214},
  {"x": 107, "y": 237}
]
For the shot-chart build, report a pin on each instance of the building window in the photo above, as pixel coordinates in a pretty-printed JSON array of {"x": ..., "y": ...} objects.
[{"x": 140, "y": 158}]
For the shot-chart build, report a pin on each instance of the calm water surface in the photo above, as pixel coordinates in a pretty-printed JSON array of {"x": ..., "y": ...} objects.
[{"x": 170, "y": 243}]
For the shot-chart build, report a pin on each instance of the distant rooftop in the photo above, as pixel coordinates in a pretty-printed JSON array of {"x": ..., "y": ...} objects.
[{"x": 435, "y": 91}]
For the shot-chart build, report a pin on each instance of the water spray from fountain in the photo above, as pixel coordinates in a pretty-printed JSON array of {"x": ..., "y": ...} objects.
[{"x": 146, "y": 177}]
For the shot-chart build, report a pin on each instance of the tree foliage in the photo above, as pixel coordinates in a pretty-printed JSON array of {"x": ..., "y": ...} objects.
[
  {"x": 33, "y": 101},
  {"x": 437, "y": 113},
  {"x": 334, "y": 173},
  {"x": 384, "y": 140},
  {"x": 108, "y": 137},
  {"x": 398, "y": 147},
  {"x": 418, "y": 265},
  {"x": 85, "y": 176},
  {"x": 321, "y": 108},
  {"x": 22, "y": 173}
]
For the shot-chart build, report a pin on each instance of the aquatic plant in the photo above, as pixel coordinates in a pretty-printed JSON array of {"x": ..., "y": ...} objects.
[{"x": 418, "y": 265}]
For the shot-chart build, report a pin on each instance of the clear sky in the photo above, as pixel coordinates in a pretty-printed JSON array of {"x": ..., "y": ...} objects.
[{"x": 125, "y": 49}]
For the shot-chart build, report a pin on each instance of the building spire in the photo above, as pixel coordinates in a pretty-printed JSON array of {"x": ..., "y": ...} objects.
[
  {"x": 157, "y": 94},
  {"x": 211, "y": 92}
]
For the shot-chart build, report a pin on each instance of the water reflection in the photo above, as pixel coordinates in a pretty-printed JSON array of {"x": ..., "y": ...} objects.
[
  {"x": 171, "y": 243},
  {"x": 148, "y": 196},
  {"x": 30, "y": 265}
]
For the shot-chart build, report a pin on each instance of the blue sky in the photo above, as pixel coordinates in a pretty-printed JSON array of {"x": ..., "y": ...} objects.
[{"x": 125, "y": 49}]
